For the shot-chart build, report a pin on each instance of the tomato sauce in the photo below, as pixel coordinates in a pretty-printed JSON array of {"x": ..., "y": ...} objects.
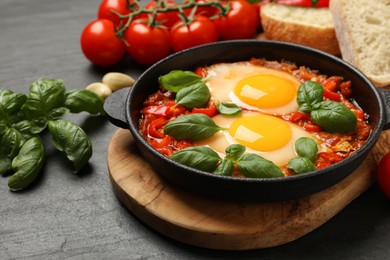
[{"x": 159, "y": 108}]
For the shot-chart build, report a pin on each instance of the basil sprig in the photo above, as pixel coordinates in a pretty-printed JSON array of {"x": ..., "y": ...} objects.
[
  {"x": 190, "y": 89},
  {"x": 23, "y": 118},
  {"x": 306, "y": 149},
  {"x": 193, "y": 126},
  {"x": 331, "y": 116},
  {"x": 206, "y": 159}
]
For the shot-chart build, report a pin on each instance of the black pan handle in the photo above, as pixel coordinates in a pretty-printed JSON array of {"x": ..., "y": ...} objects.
[
  {"x": 114, "y": 106},
  {"x": 386, "y": 100}
]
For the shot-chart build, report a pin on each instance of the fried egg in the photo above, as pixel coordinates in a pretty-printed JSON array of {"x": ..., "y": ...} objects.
[
  {"x": 253, "y": 87},
  {"x": 264, "y": 135}
]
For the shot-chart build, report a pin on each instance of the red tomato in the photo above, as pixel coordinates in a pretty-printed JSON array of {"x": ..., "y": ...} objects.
[
  {"x": 240, "y": 23},
  {"x": 119, "y": 6},
  {"x": 100, "y": 44},
  {"x": 258, "y": 8},
  {"x": 147, "y": 44},
  {"x": 384, "y": 174},
  {"x": 167, "y": 18},
  {"x": 207, "y": 11},
  {"x": 200, "y": 31}
]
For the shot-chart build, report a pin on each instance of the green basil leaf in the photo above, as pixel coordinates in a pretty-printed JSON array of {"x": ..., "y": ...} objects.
[
  {"x": 235, "y": 151},
  {"x": 178, "y": 79},
  {"x": 38, "y": 125},
  {"x": 254, "y": 166},
  {"x": 193, "y": 127},
  {"x": 199, "y": 157},
  {"x": 27, "y": 164},
  {"x": 24, "y": 127},
  {"x": 196, "y": 95},
  {"x": 71, "y": 139},
  {"x": 3, "y": 128},
  {"x": 10, "y": 103},
  {"x": 306, "y": 147},
  {"x": 309, "y": 94},
  {"x": 56, "y": 113},
  {"x": 301, "y": 165},
  {"x": 45, "y": 95},
  {"x": 10, "y": 143},
  {"x": 334, "y": 117},
  {"x": 225, "y": 168},
  {"x": 5, "y": 165},
  {"x": 84, "y": 100},
  {"x": 228, "y": 109}
]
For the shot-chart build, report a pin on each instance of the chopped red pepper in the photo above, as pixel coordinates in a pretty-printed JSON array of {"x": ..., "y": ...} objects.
[
  {"x": 331, "y": 95},
  {"x": 157, "y": 111},
  {"x": 346, "y": 89},
  {"x": 333, "y": 83},
  {"x": 177, "y": 110},
  {"x": 298, "y": 116},
  {"x": 164, "y": 142},
  {"x": 330, "y": 157},
  {"x": 359, "y": 114},
  {"x": 168, "y": 151},
  {"x": 210, "y": 111},
  {"x": 155, "y": 127},
  {"x": 183, "y": 144},
  {"x": 200, "y": 71},
  {"x": 312, "y": 128},
  {"x": 322, "y": 165}
]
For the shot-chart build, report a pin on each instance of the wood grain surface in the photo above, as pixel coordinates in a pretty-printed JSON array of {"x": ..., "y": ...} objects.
[{"x": 218, "y": 224}]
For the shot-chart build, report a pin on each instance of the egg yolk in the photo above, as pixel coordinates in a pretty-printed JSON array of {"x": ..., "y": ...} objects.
[
  {"x": 261, "y": 132},
  {"x": 265, "y": 91}
]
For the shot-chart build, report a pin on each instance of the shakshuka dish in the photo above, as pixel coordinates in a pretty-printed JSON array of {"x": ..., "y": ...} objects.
[{"x": 255, "y": 119}]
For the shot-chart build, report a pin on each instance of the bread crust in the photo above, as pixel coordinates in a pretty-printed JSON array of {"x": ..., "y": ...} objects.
[
  {"x": 350, "y": 44},
  {"x": 322, "y": 38}
]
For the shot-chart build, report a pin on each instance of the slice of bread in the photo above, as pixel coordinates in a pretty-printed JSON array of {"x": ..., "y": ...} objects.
[
  {"x": 312, "y": 27},
  {"x": 363, "y": 30}
]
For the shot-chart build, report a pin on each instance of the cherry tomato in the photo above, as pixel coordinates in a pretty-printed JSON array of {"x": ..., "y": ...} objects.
[
  {"x": 241, "y": 22},
  {"x": 119, "y": 6},
  {"x": 200, "y": 31},
  {"x": 167, "y": 18},
  {"x": 100, "y": 44},
  {"x": 384, "y": 174},
  {"x": 147, "y": 44},
  {"x": 207, "y": 11}
]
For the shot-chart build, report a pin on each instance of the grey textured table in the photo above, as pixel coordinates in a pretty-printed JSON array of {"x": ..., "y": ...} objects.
[{"x": 78, "y": 217}]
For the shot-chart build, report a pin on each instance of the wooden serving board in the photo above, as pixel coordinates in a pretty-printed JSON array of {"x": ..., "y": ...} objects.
[{"x": 217, "y": 224}]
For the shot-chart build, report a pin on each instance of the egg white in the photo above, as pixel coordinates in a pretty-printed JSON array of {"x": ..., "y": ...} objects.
[
  {"x": 222, "y": 139},
  {"x": 223, "y": 77}
]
